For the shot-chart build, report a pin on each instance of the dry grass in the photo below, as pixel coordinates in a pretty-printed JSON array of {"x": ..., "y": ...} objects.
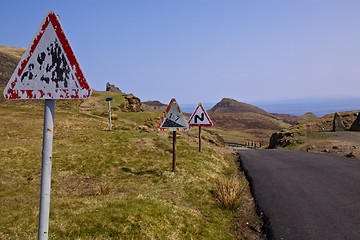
[
  {"x": 229, "y": 192},
  {"x": 13, "y": 52},
  {"x": 244, "y": 127},
  {"x": 110, "y": 185}
]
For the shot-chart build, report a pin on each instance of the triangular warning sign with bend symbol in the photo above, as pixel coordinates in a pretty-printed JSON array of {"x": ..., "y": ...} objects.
[
  {"x": 200, "y": 117},
  {"x": 173, "y": 118},
  {"x": 48, "y": 68}
]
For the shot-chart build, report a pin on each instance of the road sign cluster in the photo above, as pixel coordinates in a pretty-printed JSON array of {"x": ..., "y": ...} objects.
[
  {"x": 49, "y": 70},
  {"x": 173, "y": 119}
]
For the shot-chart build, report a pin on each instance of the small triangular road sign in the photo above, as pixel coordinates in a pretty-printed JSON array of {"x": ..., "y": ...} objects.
[
  {"x": 48, "y": 69},
  {"x": 200, "y": 117},
  {"x": 173, "y": 118}
]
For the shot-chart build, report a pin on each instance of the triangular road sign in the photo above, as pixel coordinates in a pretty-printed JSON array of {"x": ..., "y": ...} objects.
[
  {"x": 48, "y": 69},
  {"x": 173, "y": 118},
  {"x": 200, "y": 117}
]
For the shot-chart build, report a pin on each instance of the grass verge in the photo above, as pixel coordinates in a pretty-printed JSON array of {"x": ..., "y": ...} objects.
[{"x": 113, "y": 184}]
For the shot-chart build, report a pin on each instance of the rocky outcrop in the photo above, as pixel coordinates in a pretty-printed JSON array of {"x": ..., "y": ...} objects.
[
  {"x": 112, "y": 88},
  {"x": 281, "y": 139},
  {"x": 131, "y": 104},
  {"x": 338, "y": 124},
  {"x": 355, "y": 126}
]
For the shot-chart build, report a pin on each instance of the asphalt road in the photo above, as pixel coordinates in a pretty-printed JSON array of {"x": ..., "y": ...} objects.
[{"x": 305, "y": 195}]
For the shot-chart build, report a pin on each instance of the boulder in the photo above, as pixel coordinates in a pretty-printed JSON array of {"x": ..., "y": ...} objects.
[
  {"x": 338, "y": 124},
  {"x": 281, "y": 139},
  {"x": 355, "y": 126}
]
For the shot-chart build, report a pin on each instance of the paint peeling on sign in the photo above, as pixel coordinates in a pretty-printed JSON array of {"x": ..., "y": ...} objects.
[{"x": 48, "y": 69}]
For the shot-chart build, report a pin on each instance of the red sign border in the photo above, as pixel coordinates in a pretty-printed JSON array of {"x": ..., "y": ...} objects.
[
  {"x": 164, "y": 116},
  {"x": 206, "y": 115},
  {"x": 52, "y": 18}
]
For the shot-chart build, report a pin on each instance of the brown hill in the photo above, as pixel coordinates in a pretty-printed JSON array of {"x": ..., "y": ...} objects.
[
  {"x": 253, "y": 123},
  {"x": 155, "y": 103},
  {"x": 154, "y": 106},
  {"x": 228, "y": 105},
  {"x": 293, "y": 120},
  {"x": 9, "y": 58}
]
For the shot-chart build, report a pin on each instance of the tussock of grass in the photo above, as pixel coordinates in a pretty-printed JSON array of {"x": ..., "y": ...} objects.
[{"x": 229, "y": 192}]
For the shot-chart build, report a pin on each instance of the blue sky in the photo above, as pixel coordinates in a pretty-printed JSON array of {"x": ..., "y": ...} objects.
[{"x": 204, "y": 50}]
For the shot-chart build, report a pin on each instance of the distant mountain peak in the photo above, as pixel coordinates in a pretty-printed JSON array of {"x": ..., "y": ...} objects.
[
  {"x": 228, "y": 105},
  {"x": 155, "y": 103},
  {"x": 154, "y": 106}
]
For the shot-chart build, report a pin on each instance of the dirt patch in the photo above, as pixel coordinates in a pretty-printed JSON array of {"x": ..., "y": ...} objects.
[
  {"x": 345, "y": 144},
  {"x": 80, "y": 185}
]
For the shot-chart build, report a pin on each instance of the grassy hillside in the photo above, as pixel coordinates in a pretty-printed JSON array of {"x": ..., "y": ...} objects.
[
  {"x": 235, "y": 121},
  {"x": 9, "y": 58},
  {"x": 114, "y": 184}
]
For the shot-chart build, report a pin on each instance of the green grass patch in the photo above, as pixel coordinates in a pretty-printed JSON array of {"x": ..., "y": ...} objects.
[{"x": 110, "y": 184}]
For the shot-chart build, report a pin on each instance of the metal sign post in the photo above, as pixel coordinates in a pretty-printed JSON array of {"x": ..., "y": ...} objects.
[
  {"x": 173, "y": 120},
  {"x": 46, "y": 169},
  {"x": 199, "y": 138},
  {"x": 48, "y": 70},
  {"x": 174, "y": 152},
  {"x": 109, "y": 111}
]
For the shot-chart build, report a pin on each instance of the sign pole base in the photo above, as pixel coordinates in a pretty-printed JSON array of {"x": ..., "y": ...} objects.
[
  {"x": 174, "y": 152},
  {"x": 109, "y": 110},
  {"x": 199, "y": 138},
  {"x": 43, "y": 231}
]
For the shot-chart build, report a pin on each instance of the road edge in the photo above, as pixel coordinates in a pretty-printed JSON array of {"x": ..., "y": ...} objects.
[{"x": 266, "y": 226}]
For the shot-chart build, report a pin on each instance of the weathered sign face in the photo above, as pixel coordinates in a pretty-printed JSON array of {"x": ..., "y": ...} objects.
[
  {"x": 173, "y": 118},
  {"x": 200, "y": 117},
  {"x": 48, "y": 68}
]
